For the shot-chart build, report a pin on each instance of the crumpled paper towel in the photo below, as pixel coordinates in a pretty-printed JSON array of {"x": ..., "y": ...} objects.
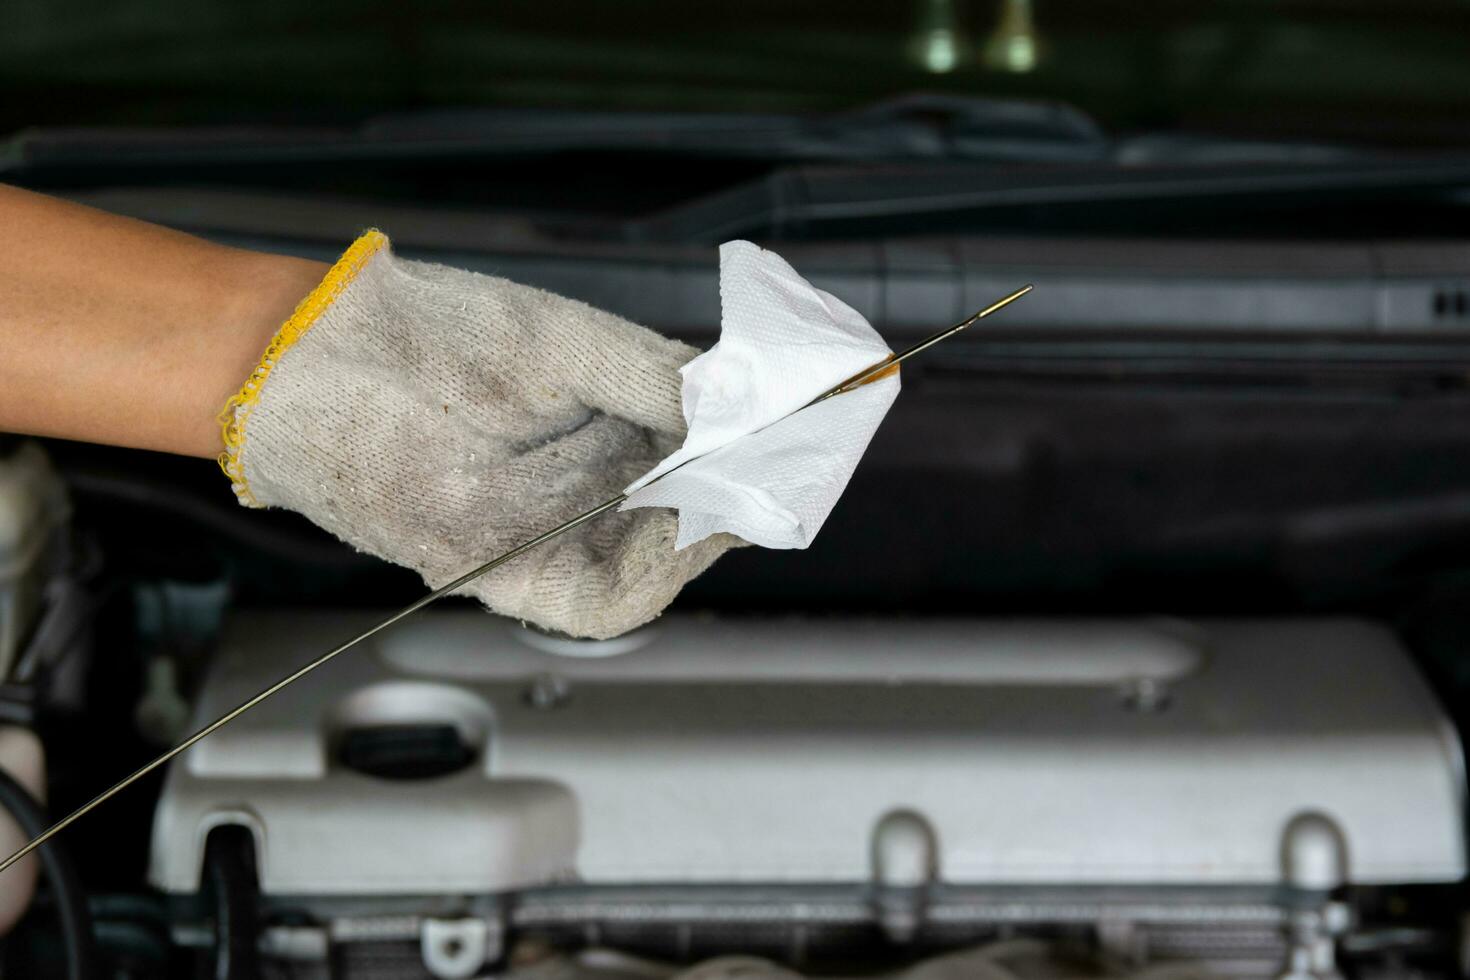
[{"x": 757, "y": 473}]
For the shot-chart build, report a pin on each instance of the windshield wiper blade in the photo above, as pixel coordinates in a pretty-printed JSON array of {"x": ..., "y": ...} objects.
[
  {"x": 915, "y": 127},
  {"x": 920, "y": 127},
  {"x": 798, "y": 200}
]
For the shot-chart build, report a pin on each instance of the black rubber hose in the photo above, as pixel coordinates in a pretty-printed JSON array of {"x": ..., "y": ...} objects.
[
  {"x": 229, "y": 876},
  {"x": 66, "y": 887}
]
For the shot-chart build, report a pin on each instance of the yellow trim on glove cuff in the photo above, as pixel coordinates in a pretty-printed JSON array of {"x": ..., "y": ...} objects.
[{"x": 236, "y": 413}]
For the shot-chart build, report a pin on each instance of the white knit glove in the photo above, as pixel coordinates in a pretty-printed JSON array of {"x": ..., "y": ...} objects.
[{"x": 437, "y": 418}]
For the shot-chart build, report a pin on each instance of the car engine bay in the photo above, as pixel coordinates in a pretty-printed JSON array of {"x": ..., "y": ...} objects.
[{"x": 890, "y": 761}]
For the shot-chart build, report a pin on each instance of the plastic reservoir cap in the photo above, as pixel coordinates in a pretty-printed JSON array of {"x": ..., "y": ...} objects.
[{"x": 566, "y": 646}]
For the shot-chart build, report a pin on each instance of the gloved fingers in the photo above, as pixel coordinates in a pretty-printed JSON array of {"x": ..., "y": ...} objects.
[
  {"x": 593, "y": 454},
  {"x": 573, "y": 471},
  {"x": 605, "y": 579},
  {"x": 664, "y": 444},
  {"x": 629, "y": 371},
  {"x": 537, "y": 347}
]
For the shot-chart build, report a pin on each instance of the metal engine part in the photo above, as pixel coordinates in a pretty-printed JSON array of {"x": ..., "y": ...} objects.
[
  {"x": 1180, "y": 792},
  {"x": 34, "y": 511}
]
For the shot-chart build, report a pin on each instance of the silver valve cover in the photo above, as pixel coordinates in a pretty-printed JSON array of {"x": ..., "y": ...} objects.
[{"x": 773, "y": 750}]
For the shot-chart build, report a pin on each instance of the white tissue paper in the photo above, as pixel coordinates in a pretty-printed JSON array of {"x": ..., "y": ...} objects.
[{"x": 759, "y": 471}]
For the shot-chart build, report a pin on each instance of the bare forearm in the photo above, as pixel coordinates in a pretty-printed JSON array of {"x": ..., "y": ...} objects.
[{"x": 121, "y": 332}]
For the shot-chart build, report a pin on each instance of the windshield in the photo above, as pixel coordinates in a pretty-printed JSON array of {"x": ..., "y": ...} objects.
[{"x": 1387, "y": 73}]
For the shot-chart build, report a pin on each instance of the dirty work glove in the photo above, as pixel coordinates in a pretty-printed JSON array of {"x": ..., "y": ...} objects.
[{"x": 437, "y": 418}]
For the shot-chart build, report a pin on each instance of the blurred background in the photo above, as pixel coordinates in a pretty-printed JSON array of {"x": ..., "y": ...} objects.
[
  {"x": 1237, "y": 383},
  {"x": 1367, "y": 72}
]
